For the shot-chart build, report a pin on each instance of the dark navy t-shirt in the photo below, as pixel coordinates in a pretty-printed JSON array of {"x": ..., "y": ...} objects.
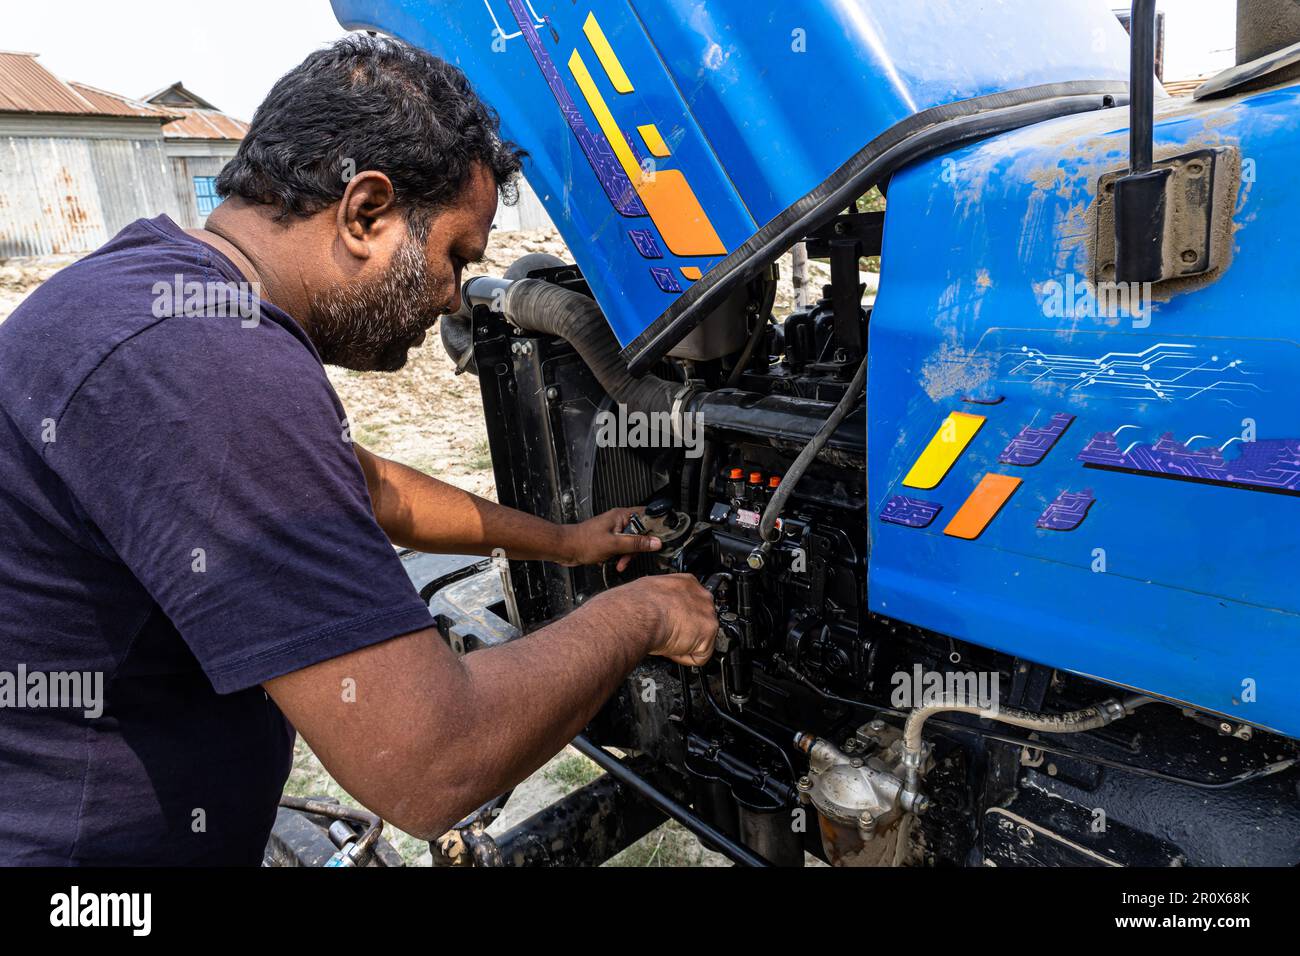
[{"x": 181, "y": 513}]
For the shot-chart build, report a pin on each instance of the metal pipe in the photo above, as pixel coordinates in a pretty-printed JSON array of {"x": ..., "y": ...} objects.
[
  {"x": 726, "y": 717},
  {"x": 357, "y": 853},
  {"x": 734, "y": 851}
]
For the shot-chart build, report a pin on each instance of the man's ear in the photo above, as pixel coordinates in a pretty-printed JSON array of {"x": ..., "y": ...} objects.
[{"x": 365, "y": 211}]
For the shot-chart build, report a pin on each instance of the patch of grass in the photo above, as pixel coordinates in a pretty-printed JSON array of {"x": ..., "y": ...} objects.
[
  {"x": 572, "y": 772},
  {"x": 371, "y": 436},
  {"x": 668, "y": 845},
  {"x": 480, "y": 456}
]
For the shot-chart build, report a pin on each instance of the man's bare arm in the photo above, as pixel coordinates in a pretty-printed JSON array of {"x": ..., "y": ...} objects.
[
  {"x": 420, "y": 512},
  {"x": 422, "y": 737}
]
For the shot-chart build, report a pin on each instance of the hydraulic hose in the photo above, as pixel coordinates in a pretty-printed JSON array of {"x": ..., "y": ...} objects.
[
  {"x": 1076, "y": 721},
  {"x": 1073, "y": 722},
  {"x": 847, "y": 402},
  {"x": 538, "y": 306}
]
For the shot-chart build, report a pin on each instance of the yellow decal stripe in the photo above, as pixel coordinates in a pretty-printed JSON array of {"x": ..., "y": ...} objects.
[
  {"x": 654, "y": 142},
  {"x": 944, "y": 449},
  {"x": 605, "y": 53},
  {"x": 604, "y": 117},
  {"x": 668, "y": 197}
]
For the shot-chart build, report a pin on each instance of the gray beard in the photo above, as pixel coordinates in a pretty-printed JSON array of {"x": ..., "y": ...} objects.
[{"x": 370, "y": 327}]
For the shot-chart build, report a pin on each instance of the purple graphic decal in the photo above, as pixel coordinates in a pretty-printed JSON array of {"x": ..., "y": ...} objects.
[
  {"x": 1068, "y": 510},
  {"x": 645, "y": 243},
  {"x": 912, "y": 512},
  {"x": 596, "y": 148},
  {"x": 665, "y": 279},
  {"x": 1033, "y": 444},
  {"x": 1264, "y": 465}
]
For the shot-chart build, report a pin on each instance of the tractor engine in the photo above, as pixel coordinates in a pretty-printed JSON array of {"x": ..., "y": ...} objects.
[{"x": 819, "y": 730}]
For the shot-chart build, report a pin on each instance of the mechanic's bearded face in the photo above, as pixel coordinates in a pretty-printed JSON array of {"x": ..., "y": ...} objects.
[{"x": 371, "y": 323}]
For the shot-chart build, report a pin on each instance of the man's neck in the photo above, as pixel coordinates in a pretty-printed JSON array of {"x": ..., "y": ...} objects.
[{"x": 242, "y": 232}]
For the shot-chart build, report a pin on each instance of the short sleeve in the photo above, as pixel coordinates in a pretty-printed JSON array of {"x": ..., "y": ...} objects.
[{"x": 215, "y": 462}]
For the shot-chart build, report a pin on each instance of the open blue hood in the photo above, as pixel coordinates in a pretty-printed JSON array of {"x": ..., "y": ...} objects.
[{"x": 669, "y": 138}]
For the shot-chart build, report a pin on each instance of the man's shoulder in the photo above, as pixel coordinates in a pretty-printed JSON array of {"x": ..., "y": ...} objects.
[{"x": 153, "y": 303}]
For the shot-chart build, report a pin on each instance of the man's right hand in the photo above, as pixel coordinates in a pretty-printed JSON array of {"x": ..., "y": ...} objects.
[
  {"x": 688, "y": 622},
  {"x": 422, "y": 737}
]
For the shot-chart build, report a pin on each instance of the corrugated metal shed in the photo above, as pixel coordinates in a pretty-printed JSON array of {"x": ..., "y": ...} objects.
[
  {"x": 111, "y": 104},
  {"x": 27, "y": 87},
  {"x": 64, "y": 194},
  {"x": 77, "y": 163},
  {"x": 203, "y": 124}
]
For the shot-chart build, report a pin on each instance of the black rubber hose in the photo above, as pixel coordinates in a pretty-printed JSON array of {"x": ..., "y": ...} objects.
[
  {"x": 539, "y": 306},
  {"x": 767, "y": 526},
  {"x": 755, "y": 337}
]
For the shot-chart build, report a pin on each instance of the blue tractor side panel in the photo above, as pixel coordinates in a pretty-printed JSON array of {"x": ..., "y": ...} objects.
[
  {"x": 756, "y": 104},
  {"x": 1177, "y": 574}
]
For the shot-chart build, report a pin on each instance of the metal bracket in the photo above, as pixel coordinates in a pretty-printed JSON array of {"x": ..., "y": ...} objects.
[{"x": 1170, "y": 223}]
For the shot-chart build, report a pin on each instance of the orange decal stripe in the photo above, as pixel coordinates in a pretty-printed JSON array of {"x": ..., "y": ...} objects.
[{"x": 982, "y": 506}]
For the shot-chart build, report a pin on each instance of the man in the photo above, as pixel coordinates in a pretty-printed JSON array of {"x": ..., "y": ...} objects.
[{"x": 182, "y": 511}]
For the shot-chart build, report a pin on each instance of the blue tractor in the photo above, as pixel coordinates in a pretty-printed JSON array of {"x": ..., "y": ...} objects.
[{"x": 1002, "y": 554}]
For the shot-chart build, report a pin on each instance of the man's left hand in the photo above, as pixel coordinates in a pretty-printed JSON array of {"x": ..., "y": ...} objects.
[{"x": 600, "y": 538}]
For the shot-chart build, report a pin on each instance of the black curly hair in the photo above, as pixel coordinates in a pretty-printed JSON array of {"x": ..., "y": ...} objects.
[{"x": 369, "y": 102}]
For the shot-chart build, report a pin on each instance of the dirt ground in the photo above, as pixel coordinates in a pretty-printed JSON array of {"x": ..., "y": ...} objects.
[{"x": 428, "y": 417}]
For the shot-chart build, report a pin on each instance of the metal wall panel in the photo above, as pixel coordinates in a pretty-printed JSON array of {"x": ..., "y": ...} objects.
[
  {"x": 132, "y": 179},
  {"x": 49, "y": 203},
  {"x": 64, "y": 195}
]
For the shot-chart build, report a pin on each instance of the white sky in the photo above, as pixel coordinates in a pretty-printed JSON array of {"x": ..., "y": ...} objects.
[{"x": 231, "y": 51}]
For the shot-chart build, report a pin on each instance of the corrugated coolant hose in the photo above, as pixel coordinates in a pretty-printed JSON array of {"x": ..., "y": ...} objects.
[{"x": 539, "y": 306}]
